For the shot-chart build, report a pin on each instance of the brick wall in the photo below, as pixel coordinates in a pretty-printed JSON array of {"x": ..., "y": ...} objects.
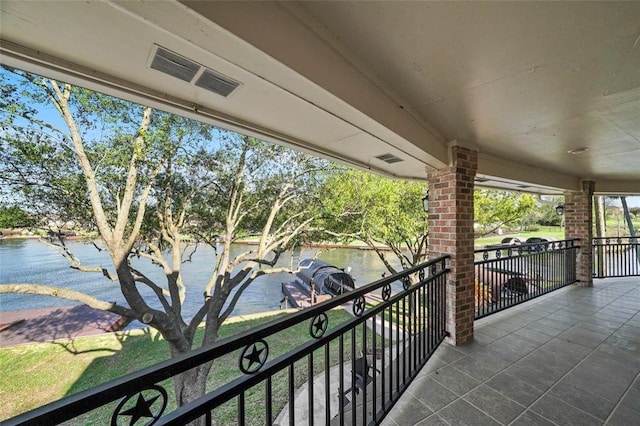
[
  {"x": 579, "y": 224},
  {"x": 451, "y": 232}
]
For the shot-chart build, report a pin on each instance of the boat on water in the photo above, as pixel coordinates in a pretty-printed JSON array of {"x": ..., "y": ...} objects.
[
  {"x": 314, "y": 282},
  {"x": 325, "y": 278}
]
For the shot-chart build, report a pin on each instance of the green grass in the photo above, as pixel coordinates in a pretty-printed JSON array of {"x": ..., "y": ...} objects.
[
  {"x": 33, "y": 375},
  {"x": 543, "y": 231}
]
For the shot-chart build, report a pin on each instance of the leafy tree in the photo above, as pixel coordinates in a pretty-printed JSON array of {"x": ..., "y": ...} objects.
[
  {"x": 384, "y": 213},
  {"x": 494, "y": 208},
  {"x": 145, "y": 180},
  {"x": 545, "y": 213},
  {"x": 14, "y": 217}
]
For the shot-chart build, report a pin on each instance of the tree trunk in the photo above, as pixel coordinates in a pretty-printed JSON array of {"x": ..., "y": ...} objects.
[
  {"x": 627, "y": 217},
  {"x": 191, "y": 385},
  {"x": 600, "y": 232},
  {"x": 600, "y": 222}
]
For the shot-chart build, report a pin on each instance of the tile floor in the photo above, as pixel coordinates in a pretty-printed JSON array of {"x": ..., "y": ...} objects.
[{"x": 568, "y": 358}]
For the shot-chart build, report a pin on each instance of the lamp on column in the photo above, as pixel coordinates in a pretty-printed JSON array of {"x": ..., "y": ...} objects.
[
  {"x": 560, "y": 209},
  {"x": 425, "y": 202}
]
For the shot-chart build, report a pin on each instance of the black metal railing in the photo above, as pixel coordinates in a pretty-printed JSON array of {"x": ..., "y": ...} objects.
[
  {"x": 616, "y": 257},
  {"x": 508, "y": 275},
  {"x": 351, "y": 372}
]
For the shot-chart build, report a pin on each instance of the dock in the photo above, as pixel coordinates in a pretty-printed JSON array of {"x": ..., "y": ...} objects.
[{"x": 297, "y": 296}]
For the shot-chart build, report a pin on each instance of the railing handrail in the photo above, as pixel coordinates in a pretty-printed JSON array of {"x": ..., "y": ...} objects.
[
  {"x": 107, "y": 392},
  {"x": 524, "y": 246},
  {"x": 197, "y": 408},
  {"x": 616, "y": 240},
  {"x": 616, "y": 256},
  {"x": 526, "y": 271}
]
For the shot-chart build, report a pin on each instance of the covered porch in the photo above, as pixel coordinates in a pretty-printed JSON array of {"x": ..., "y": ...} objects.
[
  {"x": 571, "y": 357},
  {"x": 541, "y": 98}
]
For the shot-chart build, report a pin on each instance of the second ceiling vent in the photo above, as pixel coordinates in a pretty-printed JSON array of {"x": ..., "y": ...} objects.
[
  {"x": 187, "y": 70},
  {"x": 389, "y": 158}
]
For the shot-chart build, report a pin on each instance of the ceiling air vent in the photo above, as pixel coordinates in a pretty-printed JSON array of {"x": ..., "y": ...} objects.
[
  {"x": 216, "y": 83},
  {"x": 174, "y": 65},
  {"x": 389, "y": 158}
]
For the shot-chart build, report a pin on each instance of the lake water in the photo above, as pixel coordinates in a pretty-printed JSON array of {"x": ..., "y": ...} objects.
[{"x": 28, "y": 261}]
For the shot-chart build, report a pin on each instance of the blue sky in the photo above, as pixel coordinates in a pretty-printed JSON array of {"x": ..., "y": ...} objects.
[{"x": 631, "y": 201}]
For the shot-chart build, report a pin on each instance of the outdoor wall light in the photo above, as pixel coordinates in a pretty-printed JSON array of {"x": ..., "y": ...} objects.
[
  {"x": 560, "y": 209},
  {"x": 425, "y": 202}
]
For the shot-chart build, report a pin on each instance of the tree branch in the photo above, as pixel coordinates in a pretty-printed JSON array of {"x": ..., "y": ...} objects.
[
  {"x": 75, "y": 263},
  {"x": 76, "y": 296}
]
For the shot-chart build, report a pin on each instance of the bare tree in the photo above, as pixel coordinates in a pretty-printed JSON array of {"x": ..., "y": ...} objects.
[{"x": 144, "y": 192}]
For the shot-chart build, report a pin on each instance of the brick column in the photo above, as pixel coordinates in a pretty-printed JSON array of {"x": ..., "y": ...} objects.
[
  {"x": 451, "y": 232},
  {"x": 578, "y": 210}
]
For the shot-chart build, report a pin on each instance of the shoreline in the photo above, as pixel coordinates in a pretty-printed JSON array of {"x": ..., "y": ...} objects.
[
  {"x": 63, "y": 323},
  {"x": 243, "y": 242}
]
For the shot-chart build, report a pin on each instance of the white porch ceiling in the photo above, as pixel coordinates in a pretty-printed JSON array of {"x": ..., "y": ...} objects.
[{"x": 524, "y": 82}]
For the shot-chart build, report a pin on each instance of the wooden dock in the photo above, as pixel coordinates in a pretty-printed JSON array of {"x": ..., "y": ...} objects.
[{"x": 297, "y": 296}]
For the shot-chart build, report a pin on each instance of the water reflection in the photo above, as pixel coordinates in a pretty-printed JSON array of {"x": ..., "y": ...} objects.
[{"x": 28, "y": 261}]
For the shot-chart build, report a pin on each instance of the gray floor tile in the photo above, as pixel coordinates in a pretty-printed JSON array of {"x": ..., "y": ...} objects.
[
  {"x": 545, "y": 329},
  {"x": 471, "y": 347},
  {"x": 448, "y": 353},
  {"x": 493, "y": 330},
  {"x": 433, "y": 420},
  {"x": 592, "y": 403},
  {"x": 409, "y": 411},
  {"x": 515, "y": 389},
  {"x": 601, "y": 328},
  {"x": 529, "y": 418},
  {"x": 480, "y": 368},
  {"x": 541, "y": 376},
  {"x": 494, "y": 404},
  {"x": 624, "y": 416},
  {"x": 431, "y": 393},
  {"x": 432, "y": 365},
  {"x": 547, "y": 357},
  {"x": 583, "y": 337},
  {"x": 512, "y": 348},
  {"x": 461, "y": 413},
  {"x": 454, "y": 380},
  {"x": 567, "y": 350},
  {"x": 484, "y": 338},
  {"x": 533, "y": 335},
  {"x": 632, "y": 398},
  {"x": 388, "y": 421},
  {"x": 556, "y": 322},
  {"x": 622, "y": 352},
  {"x": 605, "y": 322},
  {"x": 562, "y": 413},
  {"x": 586, "y": 368}
]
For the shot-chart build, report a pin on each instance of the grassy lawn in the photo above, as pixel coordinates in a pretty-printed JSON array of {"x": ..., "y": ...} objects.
[
  {"x": 543, "y": 231},
  {"x": 36, "y": 374}
]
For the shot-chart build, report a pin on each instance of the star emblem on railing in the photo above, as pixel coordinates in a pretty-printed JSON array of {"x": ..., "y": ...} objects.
[
  {"x": 149, "y": 404},
  {"x": 253, "y": 357},
  {"x": 318, "y": 325},
  {"x": 358, "y": 306},
  {"x": 386, "y": 292}
]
